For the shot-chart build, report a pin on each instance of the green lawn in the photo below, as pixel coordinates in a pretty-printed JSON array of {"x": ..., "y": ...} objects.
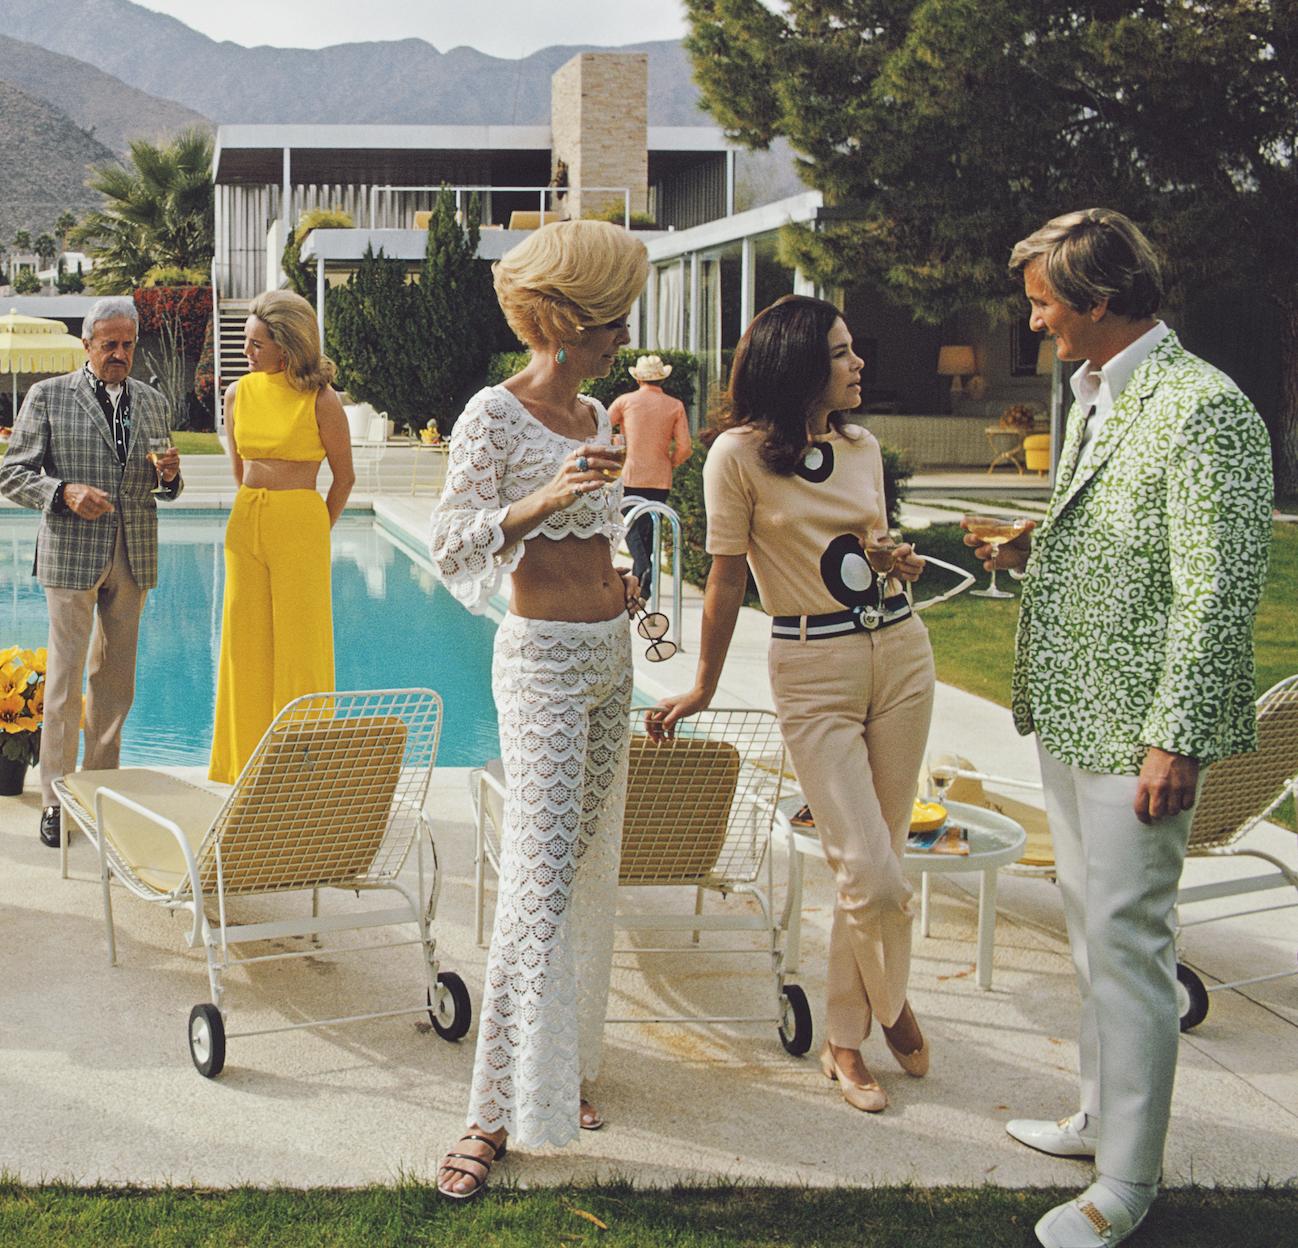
[
  {"x": 190, "y": 443},
  {"x": 718, "y": 1216},
  {"x": 973, "y": 638}
]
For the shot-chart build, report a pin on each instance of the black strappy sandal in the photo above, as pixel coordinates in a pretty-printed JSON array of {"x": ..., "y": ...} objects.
[{"x": 483, "y": 1163}]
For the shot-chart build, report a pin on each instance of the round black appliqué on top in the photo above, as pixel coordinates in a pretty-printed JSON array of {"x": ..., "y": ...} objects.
[
  {"x": 817, "y": 463},
  {"x": 847, "y": 573}
]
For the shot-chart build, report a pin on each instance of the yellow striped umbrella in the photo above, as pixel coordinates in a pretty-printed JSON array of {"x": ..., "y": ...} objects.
[{"x": 32, "y": 344}]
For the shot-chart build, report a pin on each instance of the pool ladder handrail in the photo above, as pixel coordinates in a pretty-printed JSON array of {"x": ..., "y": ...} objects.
[{"x": 633, "y": 509}]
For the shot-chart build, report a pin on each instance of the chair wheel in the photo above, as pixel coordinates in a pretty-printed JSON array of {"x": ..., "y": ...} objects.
[
  {"x": 795, "y": 1020},
  {"x": 454, "y": 1010},
  {"x": 207, "y": 1040},
  {"x": 1191, "y": 996}
]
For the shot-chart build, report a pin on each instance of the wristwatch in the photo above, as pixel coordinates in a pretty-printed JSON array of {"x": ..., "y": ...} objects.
[{"x": 57, "y": 504}]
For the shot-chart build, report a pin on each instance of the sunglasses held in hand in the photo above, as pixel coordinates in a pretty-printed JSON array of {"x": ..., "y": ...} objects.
[{"x": 652, "y": 626}]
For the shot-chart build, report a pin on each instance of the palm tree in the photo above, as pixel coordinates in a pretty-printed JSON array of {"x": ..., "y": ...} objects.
[
  {"x": 22, "y": 241},
  {"x": 158, "y": 213},
  {"x": 46, "y": 249},
  {"x": 63, "y": 227}
]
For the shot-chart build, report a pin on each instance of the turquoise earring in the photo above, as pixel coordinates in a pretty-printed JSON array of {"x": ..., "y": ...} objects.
[{"x": 562, "y": 357}]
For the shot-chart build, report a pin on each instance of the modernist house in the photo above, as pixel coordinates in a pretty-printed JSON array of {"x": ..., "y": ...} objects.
[{"x": 713, "y": 267}]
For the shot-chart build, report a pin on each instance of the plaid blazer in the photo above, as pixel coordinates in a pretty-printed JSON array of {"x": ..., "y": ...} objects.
[{"x": 61, "y": 434}]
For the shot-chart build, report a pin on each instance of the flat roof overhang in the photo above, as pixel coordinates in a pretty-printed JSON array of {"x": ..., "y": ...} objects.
[{"x": 395, "y": 155}]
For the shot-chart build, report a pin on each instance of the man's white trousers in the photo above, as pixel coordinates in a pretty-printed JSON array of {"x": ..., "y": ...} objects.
[{"x": 1119, "y": 879}]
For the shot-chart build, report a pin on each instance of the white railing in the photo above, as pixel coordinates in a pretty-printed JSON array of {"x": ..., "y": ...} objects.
[
  {"x": 542, "y": 193},
  {"x": 633, "y": 509}
]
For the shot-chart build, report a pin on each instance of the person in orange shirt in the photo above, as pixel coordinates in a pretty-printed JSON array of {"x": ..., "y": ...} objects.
[{"x": 657, "y": 443}]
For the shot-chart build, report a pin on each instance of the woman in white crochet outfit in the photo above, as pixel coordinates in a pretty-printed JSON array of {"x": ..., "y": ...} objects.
[{"x": 531, "y": 490}]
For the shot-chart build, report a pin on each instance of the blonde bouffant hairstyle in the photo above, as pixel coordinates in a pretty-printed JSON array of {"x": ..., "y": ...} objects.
[
  {"x": 569, "y": 276},
  {"x": 292, "y": 326}
]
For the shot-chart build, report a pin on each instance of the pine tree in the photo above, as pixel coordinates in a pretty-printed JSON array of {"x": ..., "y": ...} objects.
[
  {"x": 417, "y": 346},
  {"x": 947, "y": 129}
]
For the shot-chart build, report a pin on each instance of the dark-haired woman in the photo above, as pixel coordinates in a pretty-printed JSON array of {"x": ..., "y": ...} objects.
[{"x": 796, "y": 493}]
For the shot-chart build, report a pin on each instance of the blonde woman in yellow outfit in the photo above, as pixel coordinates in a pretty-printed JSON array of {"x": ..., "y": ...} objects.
[{"x": 281, "y": 420}]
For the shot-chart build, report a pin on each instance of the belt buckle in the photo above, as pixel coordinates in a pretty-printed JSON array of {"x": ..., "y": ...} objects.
[{"x": 868, "y": 617}]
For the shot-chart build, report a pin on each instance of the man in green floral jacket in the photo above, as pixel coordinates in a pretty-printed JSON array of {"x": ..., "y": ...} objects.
[{"x": 1134, "y": 667}]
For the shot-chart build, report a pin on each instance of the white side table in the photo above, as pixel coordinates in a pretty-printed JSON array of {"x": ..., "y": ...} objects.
[{"x": 994, "y": 841}]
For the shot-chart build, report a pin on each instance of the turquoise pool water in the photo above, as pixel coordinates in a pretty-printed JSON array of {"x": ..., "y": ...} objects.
[{"x": 393, "y": 627}]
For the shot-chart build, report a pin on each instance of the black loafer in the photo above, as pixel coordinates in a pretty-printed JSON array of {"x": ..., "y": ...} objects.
[{"x": 50, "y": 820}]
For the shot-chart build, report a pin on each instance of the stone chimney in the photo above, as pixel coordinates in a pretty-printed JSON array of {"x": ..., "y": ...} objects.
[{"x": 599, "y": 123}]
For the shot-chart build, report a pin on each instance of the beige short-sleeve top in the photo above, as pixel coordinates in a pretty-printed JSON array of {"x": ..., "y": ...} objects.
[{"x": 802, "y": 533}]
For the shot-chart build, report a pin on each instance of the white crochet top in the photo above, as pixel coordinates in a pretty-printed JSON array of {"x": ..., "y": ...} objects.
[{"x": 500, "y": 453}]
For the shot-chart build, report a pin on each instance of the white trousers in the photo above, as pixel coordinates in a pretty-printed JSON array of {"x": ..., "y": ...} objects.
[
  {"x": 563, "y": 697},
  {"x": 1119, "y": 878}
]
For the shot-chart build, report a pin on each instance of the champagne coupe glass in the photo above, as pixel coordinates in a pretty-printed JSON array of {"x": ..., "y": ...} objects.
[
  {"x": 157, "y": 447},
  {"x": 994, "y": 531}
]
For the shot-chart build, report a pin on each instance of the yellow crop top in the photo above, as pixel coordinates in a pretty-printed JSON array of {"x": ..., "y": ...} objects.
[{"x": 272, "y": 420}]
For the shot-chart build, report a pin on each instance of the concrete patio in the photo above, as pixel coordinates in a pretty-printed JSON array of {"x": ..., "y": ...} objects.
[{"x": 96, "y": 1081}]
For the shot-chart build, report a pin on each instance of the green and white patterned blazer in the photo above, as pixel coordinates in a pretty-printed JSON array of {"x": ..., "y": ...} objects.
[{"x": 1136, "y": 622}]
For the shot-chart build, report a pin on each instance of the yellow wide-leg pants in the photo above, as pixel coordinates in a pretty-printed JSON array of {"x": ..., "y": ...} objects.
[{"x": 277, "y": 638}]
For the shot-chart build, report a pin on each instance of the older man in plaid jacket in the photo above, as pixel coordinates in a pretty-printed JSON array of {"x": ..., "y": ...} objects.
[{"x": 79, "y": 456}]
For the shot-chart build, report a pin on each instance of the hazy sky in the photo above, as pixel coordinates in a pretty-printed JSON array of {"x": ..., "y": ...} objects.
[{"x": 508, "y": 28}]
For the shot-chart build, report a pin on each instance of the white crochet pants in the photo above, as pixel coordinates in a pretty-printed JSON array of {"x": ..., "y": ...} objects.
[{"x": 563, "y": 694}]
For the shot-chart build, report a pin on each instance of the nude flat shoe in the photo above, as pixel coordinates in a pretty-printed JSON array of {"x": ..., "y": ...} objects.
[
  {"x": 914, "y": 1064},
  {"x": 869, "y": 1097}
]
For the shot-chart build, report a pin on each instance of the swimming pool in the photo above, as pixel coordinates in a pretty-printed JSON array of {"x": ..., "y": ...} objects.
[{"x": 394, "y": 627}]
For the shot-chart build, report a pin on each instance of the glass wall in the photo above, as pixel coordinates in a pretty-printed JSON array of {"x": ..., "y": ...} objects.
[
  {"x": 721, "y": 305},
  {"x": 720, "y": 308}
]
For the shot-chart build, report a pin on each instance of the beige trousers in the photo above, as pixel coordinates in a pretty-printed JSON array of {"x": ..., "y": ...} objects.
[
  {"x": 854, "y": 711},
  {"x": 110, "y": 609}
]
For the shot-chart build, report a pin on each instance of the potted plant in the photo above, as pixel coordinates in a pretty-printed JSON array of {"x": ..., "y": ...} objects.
[{"x": 22, "y": 707}]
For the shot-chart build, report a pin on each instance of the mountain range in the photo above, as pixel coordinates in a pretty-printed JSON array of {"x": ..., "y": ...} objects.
[
  {"x": 406, "y": 80},
  {"x": 84, "y": 77}
]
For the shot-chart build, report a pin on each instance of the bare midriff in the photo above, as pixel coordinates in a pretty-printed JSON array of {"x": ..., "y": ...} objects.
[
  {"x": 281, "y": 474},
  {"x": 569, "y": 578}
]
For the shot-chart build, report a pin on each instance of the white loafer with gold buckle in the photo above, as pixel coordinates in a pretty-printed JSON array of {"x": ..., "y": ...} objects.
[
  {"x": 1095, "y": 1219},
  {"x": 1066, "y": 1138}
]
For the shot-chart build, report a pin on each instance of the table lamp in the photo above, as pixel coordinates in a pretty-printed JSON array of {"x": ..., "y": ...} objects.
[{"x": 956, "y": 363}]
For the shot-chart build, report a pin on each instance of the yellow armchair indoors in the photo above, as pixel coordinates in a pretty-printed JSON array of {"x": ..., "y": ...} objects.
[{"x": 1036, "y": 452}]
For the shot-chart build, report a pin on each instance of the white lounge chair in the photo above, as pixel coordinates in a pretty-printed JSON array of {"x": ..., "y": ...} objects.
[
  {"x": 1237, "y": 794},
  {"x": 332, "y": 797},
  {"x": 699, "y": 813}
]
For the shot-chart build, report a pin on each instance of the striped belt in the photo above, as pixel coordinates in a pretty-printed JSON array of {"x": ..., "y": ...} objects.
[{"x": 865, "y": 619}]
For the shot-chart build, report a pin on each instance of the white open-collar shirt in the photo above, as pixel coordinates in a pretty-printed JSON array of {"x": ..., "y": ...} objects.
[{"x": 1100, "y": 388}]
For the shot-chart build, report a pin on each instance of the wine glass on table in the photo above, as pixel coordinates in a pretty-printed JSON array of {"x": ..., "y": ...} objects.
[
  {"x": 943, "y": 770},
  {"x": 158, "y": 447},
  {"x": 994, "y": 531}
]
